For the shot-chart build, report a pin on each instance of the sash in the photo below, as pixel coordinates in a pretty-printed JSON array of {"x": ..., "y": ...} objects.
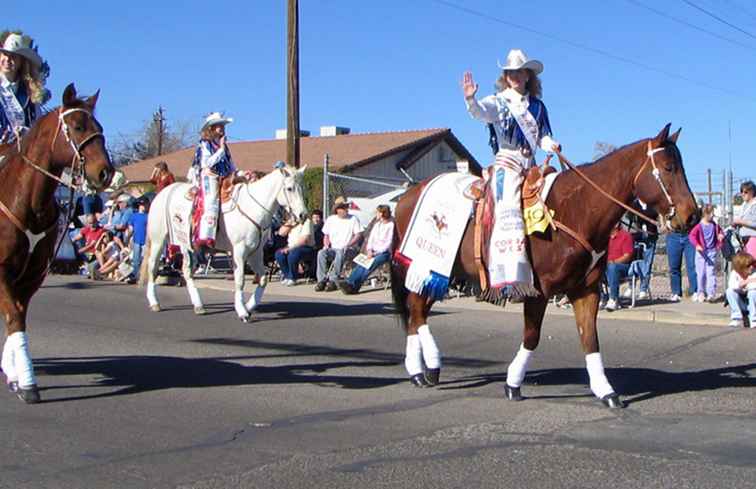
[
  {"x": 13, "y": 110},
  {"x": 526, "y": 121}
]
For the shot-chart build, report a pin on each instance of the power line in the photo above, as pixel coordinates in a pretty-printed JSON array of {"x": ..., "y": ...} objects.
[
  {"x": 590, "y": 49},
  {"x": 692, "y": 26},
  {"x": 714, "y": 16},
  {"x": 741, "y": 8}
]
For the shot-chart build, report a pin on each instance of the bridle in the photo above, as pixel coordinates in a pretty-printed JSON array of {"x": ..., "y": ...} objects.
[
  {"x": 78, "y": 162},
  {"x": 657, "y": 176},
  {"x": 287, "y": 206}
]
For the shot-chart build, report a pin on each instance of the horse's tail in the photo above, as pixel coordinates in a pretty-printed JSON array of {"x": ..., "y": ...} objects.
[
  {"x": 144, "y": 267},
  {"x": 399, "y": 292}
]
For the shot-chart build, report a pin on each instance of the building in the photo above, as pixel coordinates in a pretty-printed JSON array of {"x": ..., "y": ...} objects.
[{"x": 386, "y": 156}]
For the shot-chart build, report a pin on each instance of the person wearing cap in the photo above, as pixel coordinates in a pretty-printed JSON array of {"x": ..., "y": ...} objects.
[
  {"x": 119, "y": 223},
  {"x": 22, "y": 84},
  {"x": 341, "y": 231},
  {"x": 212, "y": 161},
  {"x": 521, "y": 124}
]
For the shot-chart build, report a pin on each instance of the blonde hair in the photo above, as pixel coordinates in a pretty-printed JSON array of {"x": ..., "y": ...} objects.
[
  {"x": 533, "y": 86},
  {"x": 742, "y": 263},
  {"x": 33, "y": 77}
]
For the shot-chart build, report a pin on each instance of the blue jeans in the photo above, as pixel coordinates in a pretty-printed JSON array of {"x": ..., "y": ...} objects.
[
  {"x": 648, "y": 262},
  {"x": 359, "y": 274},
  {"x": 740, "y": 302},
  {"x": 289, "y": 262},
  {"x": 614, "y": 273},
  {"x": 136, "y": 258},
  {"x": 678, "y": 245}
]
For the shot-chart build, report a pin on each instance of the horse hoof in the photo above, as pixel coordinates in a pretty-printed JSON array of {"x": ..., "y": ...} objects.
[
  {"x": 512, "y": 393},
  {"x": 200, "y": 311},
  {"x": 612, "y": 401},
  {"x": 245, "y": 319},
  {"x": 418, "y": 380},
  {"x": 12, "y": 386},
  {"x": 29, "y": 395},
  {"x": 432, "y": 375},
  {"x": 155, "y": 308}
]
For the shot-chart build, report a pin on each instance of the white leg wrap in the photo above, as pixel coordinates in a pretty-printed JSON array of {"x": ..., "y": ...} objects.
[
  {"x": 256, "y": 297},
  {"x": 151, "y": 295},
  {"x": 413, "y": 361},
  {"x": 519, "y": 367},
  {"x": 599, "y": 383},
  {"x": 9, "y": 361},
  {"x": 241, "y": 311},
  {"x": 431, "y": 355},
  {"x": 22, "y": 360},
  {"x": 194, "y": 294}
]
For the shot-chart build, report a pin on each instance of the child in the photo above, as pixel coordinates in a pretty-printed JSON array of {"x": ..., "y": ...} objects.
[
  {"x": 741, "y": 286},
  {"x": 707, "y": 238},
  {"x": 522, "y": 126}
]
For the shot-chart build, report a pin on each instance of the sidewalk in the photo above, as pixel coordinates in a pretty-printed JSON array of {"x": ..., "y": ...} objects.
[{"x": 660, "y": 311}]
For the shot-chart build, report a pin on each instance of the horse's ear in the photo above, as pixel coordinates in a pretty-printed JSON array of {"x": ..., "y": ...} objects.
[
  {"x": 69, "y": 95},
  {"x": 663, "y": 134},
  {"x": 92, "y": 101},
  {"x": 302, "y": 170},
  {"x": 674, "y": 136}
]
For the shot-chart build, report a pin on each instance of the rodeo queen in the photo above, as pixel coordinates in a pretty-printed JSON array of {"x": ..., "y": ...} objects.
[
  {"x": 22, "y": 84},
  {"x": 212, "y": 162},
  {"x": 522, "y": 125}
]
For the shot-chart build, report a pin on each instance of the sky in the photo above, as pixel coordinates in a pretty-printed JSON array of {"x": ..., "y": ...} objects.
[{"x": 616, "y": 71}]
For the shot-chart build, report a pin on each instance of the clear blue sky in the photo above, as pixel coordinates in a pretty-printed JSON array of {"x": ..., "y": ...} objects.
[{"x": 396, "y": 65}]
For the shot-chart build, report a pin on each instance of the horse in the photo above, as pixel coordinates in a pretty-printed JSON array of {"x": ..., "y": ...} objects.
[
  {"x": 650, "y": 170},
  {"x": 68, "y": 137},
  {"x": 246, "y": 219}
]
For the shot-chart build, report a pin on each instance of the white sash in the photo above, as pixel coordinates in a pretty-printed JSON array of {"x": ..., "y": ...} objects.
[
  {"x": 12, "y": 108},
  {"x": 527, "y": 123}
]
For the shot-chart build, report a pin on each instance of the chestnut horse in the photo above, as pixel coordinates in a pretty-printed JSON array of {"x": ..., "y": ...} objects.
[
  {"x": 650, "y": 170},
  {"x": 67, "y": 137}
]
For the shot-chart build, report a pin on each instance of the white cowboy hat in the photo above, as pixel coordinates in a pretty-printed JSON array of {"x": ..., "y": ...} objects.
[
  {"x": 216, "y": 118},
  {"x": 517, "y": 59},
  {"x": 22, "y": 46}
]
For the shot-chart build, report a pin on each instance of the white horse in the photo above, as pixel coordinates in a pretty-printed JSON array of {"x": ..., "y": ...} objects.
[{"x": 245, "y": 220}]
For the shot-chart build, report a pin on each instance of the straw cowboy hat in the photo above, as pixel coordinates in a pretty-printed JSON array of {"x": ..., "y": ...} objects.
[
  {"x": 21, "y": 46},
  {"x": 340, "y": 203},
  {"x": 517, "y": 59},
  {"x": 216, "y": 118}
]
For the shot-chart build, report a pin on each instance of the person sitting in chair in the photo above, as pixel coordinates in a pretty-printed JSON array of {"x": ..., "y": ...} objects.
[
  {"x": 377, "y": 249},
  {"x": 299, "y": 247},
  {"x": 619, "y": 255},
  {"x": 340, "y": 232},
  {"x": 741, "y": 290}
]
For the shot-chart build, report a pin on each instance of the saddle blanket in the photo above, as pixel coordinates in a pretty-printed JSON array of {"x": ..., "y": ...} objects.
[
  {"x": 179, "y": 216},
  {"x": 434, "y": 233}
]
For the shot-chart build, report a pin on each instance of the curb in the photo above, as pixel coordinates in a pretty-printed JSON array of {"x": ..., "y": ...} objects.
[{"x": 381, "y": 296}]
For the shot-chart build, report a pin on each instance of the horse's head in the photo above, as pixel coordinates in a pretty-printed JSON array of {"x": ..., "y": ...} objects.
[
  {"x": 80, "y": 142},
  {"x": 291, "y": 196},
  {"x": 662, "y": 184}
]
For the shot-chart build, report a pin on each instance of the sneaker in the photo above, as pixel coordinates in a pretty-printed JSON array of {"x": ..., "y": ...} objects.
[
  {"x": 330, "y": 287},
  {"x": 602, "y": 305},
  {"x": 320, "y": 286},
  {"x": 612, "y": 305},
  {"x": 291, "y": 282},
  {"x": 736, "y": 323},
  {"x": 674, "y": 298},
  {"x": 627, "y": 293},
  {"x": 643, "y": 295},
  {"x": 346, "y": 287}
]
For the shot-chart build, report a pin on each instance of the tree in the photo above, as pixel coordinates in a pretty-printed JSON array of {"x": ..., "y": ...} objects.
[
  {"x": 601, "y": 149},
  {"x": 155, "y": 138}
]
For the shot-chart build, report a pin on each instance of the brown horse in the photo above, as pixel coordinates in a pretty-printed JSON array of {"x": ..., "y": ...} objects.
[
  {"x": 67, "y": 137},
  {"x": 650, "y": 170}
]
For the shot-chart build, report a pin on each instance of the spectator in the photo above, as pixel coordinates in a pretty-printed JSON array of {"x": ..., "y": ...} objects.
[
  {"x": 679, "y": 246},
  {"x": 108, "y": 254},
  {"x": 377, "y": 249},
  {"x": 317, "y": 228},
  {"x": 741, "y": 290},
  {"x": 161, "y": 176},
  {"x": 91, "y": 202},
  {"x": 646, "y": 234},
  {"x": 706, "y": 237},
  {"x": 106, "y": 217},
  {"x": 90, "y": 234},
  {"x": 138, "y": 231},
  {"x": 746, "y": 218},
  {"x": 619, "y": 255},
  {"x": 299, "y": 247},
  {"x": 121, "y": 216},
  {"x": 340, "y": 232}
]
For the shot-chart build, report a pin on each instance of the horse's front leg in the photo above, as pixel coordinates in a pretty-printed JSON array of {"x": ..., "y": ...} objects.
[
  {"x": 240, "y": 257},
  {"x": 534, "y": 309},
  {"x": 421, "y": 346},
  {"x": 586, "y": 305},
  {"x": 258, "y": 266},
  {"x": 191, "y": 288},
  {"x": 16, "y": 360}
]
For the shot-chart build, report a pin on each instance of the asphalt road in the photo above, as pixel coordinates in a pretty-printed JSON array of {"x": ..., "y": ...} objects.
[{"x": 313, "y": 394}]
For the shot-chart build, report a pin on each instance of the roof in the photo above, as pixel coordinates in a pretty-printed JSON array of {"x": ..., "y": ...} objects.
[{"x": 346, "y": 151}]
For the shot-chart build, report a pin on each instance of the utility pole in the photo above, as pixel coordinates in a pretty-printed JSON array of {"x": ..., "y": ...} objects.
[
  {"x": 708, "y": 176},
  {"x": 292, "y": 106},
  {"x": 159, "y": 119}
]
